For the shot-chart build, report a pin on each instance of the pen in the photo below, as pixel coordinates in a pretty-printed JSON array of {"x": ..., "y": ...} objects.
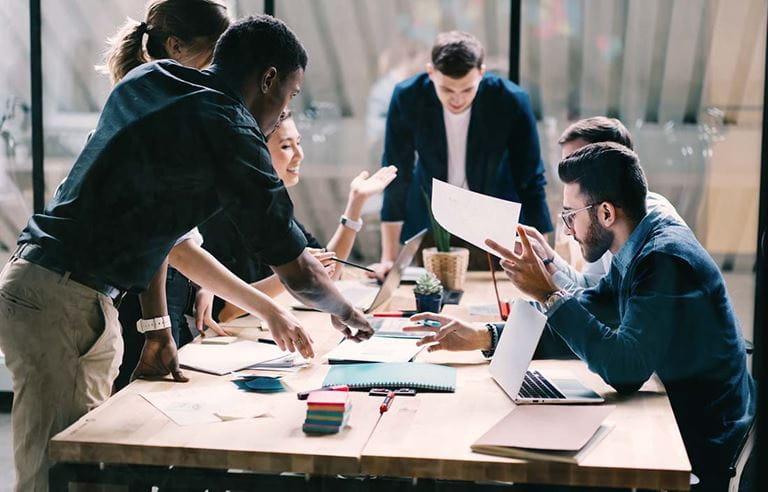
[
  {"x": 267, "y": 340},
  {"x": 386, "y": 403},
  {"x": 361, "y": 267},
  {"x": 303, "y": 395},
  {"x": 394, "y": 314}
]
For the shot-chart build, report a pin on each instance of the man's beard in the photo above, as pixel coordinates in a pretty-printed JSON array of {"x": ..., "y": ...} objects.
[{"x": 597, "y": 242}]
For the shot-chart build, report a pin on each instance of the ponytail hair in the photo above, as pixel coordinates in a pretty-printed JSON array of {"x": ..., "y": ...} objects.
[
  {"x": 125, "y": 51},
  {"x": 196, "y": 22}
]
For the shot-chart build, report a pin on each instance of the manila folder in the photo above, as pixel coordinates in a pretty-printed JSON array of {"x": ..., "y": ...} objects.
[{"x": 562, "y": 433}]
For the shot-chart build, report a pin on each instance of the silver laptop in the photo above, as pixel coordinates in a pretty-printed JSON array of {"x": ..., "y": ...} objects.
[
  {"x": 369, "y": 297},
  {"x": 513, "y": 355}
]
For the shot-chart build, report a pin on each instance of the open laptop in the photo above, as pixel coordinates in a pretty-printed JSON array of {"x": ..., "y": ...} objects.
[
  {"x": 369, "y": 297},
  {"x": 513, "y": 355}
]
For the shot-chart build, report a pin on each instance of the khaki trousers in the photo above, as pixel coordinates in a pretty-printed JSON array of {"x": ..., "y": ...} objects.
[{"x": 63, "y": 347}]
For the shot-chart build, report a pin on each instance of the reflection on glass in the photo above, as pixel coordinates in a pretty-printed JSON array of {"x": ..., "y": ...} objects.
[
  {"x": 686, "y": 77},
  {"x": 358, "y": 51}
]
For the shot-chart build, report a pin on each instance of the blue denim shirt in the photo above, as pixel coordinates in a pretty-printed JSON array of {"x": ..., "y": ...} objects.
[{"x": 663, "y": 308}]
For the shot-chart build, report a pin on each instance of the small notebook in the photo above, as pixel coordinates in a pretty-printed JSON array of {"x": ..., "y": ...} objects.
[
  {"x": 562, "y": 433},
  {"x": 394, "y": 375}
]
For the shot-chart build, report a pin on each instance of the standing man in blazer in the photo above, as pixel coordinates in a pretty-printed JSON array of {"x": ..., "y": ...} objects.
[{"x": 461, "y": 125}]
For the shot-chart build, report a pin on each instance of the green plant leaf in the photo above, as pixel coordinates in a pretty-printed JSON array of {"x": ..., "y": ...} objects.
[{"x": 441, "y": 236}]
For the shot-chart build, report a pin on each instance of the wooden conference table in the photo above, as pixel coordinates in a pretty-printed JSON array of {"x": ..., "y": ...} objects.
[{"x": 427, "y": 436}]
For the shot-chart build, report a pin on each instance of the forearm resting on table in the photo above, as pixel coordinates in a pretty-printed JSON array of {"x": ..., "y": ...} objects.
[{"x": 202, "y": 268}]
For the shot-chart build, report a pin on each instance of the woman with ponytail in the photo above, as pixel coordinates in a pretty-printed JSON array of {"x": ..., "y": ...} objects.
[
  {"x": 182, "y": 30},
  {"x": 185, "y": 31}
]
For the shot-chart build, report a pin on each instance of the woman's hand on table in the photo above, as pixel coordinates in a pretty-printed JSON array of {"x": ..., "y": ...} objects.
[
  {"x": 204, "y": 314},
  {"x": 288, "y": 333}
]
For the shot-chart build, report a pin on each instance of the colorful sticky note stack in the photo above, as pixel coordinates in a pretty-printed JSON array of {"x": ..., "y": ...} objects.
[{"x": 327, "y": 412}]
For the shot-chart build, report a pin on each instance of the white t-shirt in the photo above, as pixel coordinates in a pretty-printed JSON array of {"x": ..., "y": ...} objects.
[{"x": 456, "y": 129}]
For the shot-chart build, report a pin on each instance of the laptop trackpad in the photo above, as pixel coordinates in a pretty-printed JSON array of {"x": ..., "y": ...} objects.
[{"x": 572, "y": 388}]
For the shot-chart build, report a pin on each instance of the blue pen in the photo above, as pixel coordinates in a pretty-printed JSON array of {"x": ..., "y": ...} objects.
[{"x": 430, "y": 322}]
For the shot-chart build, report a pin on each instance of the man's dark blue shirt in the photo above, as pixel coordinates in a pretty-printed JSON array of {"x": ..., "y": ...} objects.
[
  {"x": 663, "y": 308},
  {"x": 173, "y": 147},
  {"x": 502, "y": 160}
]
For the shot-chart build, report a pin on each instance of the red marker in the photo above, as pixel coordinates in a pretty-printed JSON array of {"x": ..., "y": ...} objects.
[
  {"x": 303, "y": 395},
  {"x": 395, "y": 314},
  {"x": 387, "y": 402}
]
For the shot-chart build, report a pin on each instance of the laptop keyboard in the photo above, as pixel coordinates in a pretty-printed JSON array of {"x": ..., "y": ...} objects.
[{"x": 537, "y": 386}]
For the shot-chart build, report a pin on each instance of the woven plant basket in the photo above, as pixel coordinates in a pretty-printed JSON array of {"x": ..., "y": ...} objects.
[{"x": 450, "y": 268}]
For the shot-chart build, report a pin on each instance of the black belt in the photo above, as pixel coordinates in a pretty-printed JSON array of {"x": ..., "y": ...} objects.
[{"x": 33, "y": 253}]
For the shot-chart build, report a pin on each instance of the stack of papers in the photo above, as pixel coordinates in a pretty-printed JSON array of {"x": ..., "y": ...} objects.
[
  {"x": 290, "y": 362},
  {"x": 375, "y": 349},
  {"x": 327, "y": 412},
  {"x": 393, "y": 328},
  {"x": 223, "y": 359}
]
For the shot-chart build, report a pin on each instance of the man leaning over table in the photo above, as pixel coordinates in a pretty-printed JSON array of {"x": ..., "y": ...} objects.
[
  {"x": 662, "y": 307},
  {"x": 173, "y": 146}
]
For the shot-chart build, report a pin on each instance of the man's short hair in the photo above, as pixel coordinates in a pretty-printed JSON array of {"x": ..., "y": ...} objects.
[
  {"x": 608, "y": 172},
  {"x": 597, "y": 129},
  {"x": 259, "y": 42},
  {"x": 455, "y": 53}
]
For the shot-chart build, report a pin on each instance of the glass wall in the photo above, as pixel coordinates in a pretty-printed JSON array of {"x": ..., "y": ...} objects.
[
  {"x": 15, "y": 125},
  {"x": 686, "y": 77},
  {"x": 358, "y": 51}
]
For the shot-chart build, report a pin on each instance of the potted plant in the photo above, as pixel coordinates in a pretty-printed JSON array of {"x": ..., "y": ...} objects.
[
  {"x": 447, "y": 263},
  {"x": 428, "y": 293}
]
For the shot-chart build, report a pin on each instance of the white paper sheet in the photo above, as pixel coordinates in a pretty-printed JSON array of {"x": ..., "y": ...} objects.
[
  {"x": 203, "y": 405},
  {"x": 475, "y": 217}
]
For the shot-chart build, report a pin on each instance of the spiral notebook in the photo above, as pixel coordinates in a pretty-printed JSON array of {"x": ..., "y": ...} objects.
[{"x": 394, "y": 375}]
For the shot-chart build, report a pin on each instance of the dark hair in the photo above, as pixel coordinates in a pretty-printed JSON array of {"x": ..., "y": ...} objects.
[
  {"x": 287, "y": 115},
  {"x": 455, "y": 53},
  {"x": 192, "y": 21},
  {"x": 608, "y": 172},
  {"x": 597, "y": 129},
  {"x": 259, "y": 42}
]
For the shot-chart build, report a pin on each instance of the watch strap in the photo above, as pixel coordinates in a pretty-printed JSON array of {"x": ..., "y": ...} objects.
[
  {"x": 355, "y": 225},
  {"x": 153, "y": 324}
]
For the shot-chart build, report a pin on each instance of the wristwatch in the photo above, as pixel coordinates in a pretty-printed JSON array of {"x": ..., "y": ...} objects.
[
  {"x": 553, "y": 299},
  {"x": 355, "y": 225},
  {"x": 153, "y": 324}
]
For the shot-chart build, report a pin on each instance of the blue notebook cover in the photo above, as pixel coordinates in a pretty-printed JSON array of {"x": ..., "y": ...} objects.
[{"x": 394, "y": 375}]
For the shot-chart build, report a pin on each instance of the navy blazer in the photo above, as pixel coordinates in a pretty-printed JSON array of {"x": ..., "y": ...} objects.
[{"x": 503, "y": 158}]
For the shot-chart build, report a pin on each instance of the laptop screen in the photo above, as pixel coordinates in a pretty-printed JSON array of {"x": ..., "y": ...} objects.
[
  {"x": 392, "y": 280},
  {"x": 516, "y": 347}
]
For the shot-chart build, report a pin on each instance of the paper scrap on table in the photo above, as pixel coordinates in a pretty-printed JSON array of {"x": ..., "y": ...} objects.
[
  {"x": 203, "y": 406},
  {"x": 475, "y": 217}
]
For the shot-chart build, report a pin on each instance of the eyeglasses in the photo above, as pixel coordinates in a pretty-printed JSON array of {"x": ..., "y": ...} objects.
[{"x": 568, "y": 216}]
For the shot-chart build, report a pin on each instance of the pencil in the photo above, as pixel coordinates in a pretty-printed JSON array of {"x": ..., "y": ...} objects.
[{"x": 361, "y": 267}]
